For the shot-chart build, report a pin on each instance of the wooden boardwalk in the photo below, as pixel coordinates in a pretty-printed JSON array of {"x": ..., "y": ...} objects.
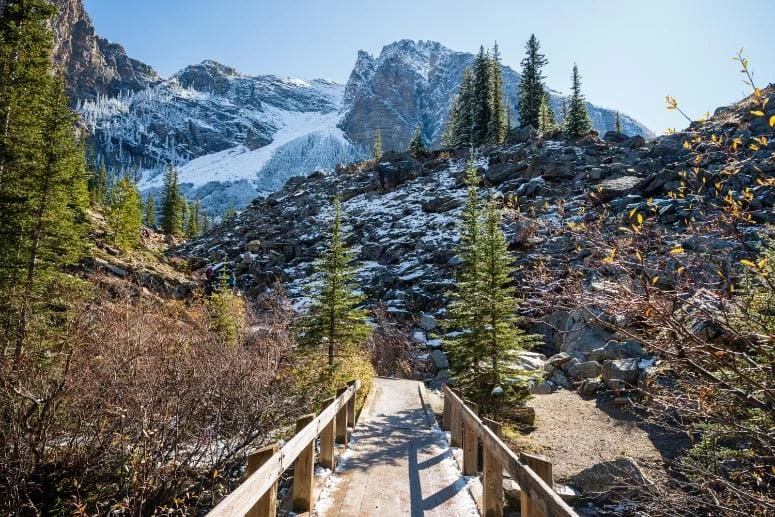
[{"x": 399, "y": 462}]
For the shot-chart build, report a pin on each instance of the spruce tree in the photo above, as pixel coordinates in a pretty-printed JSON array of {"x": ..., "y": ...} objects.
[
  {"x": 546, "y": 120},
  {"x": 194, "y": 220},
  {"x": 498, "y": 124},
  {"x": 531, "y": 86},
  {"x": 334, "y": 319},
  {"x": 578, "y": 123},
  {"x": 502, "y": 340},
  {"x": 171, "y": 223},
  {"x": 125, "y": 214},
  {"x": 463, "y": 113},
  {"x": 618, "y": 123},
  {"x": 376, "y": 148},
  {"x": 43, "y": 191},
  {"x": 483, "y": 92},
  {"x": 466, "y": 306},
  {"x": 185, "y": 212},
  {"x": 229, "y": 213},
  {"x": 149, "y": 217},
  {"x": 205, "y": 223},
  {"x": 417, "y": 146}
]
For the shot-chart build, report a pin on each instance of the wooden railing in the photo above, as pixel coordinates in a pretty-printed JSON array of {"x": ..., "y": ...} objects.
[
  {"x": 467, "y": 430},
  {"x": 257, "y": 495}
]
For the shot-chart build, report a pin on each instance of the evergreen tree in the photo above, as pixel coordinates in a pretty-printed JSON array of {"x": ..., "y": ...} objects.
[
  {"x": 171, "y": 222},
  {"x": 465, "y": 308},
  {"x": 334, "y": 319},
  {"x": 194, "y": 220},
  {"x": 531, "y": 86},
  {"x": 578, "y": 123},
  {"x": 498, "y": 123},
  {"x": 483, "y": 93},
  {"x": 502, "y": 340},
  {"x": 546, "y": 120},
  {"x": 618, "y": 123},
  {"x": 463, "y": 113},
  {"x": 43, "y": 190},
  {"x": 417, "y": 146},
  {"x": 185, "y": 213},
  {"x": 150, "y": 211},
  {"x": 229, "y": 213},
  {"x": 125, "y": 214},
  {"x": 205, "y": 223},
  {"x": 376, "y": 148}
]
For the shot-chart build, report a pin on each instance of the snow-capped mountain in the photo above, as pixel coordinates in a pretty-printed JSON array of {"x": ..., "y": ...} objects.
[
  {"x": 233, "y": 136},
  {"x": 412, "y": 84}
]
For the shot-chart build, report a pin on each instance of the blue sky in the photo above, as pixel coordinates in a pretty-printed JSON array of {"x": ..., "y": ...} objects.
[{"x": 630, "y": 54}]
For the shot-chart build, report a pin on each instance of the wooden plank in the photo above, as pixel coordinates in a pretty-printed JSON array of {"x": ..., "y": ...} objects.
[
  {"x": 543, "y": 467},
  {"x": 531, "y": 483},
  {"x": 470, "y": 443},
  {"x": 341, "y": 420},
  {"x": 327, "y": 441},
  {"x": 492, "y": 477},
  {"x": 304, "y": 472},
  {"x": 267, "y": 505},
  {"x": 245, "y": 496}
]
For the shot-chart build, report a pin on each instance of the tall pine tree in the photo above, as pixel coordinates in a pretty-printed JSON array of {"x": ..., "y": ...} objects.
[
  {"x": 498, "y": 123},
  {"x": 465, "y": 308},
  {"x": 125, "y": 214},
  {"x": 578, "y": 123},
  {"x": 43, "y": 191},
  {"x": 417, "y": 146},
  {"x": 482, "y": 98},
  {"x": 531, "y": 85},
  {"x": 194, "y": 220},
  {"x": 502, "y": 339},
  {"x": 546, "y": 120},
  {"x": 149, "y": 217},
  {"x": 171, "y": 221},
  {"x": 334, "y": 319}
]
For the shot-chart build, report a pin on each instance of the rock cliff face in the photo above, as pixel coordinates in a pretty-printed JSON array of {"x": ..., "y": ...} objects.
[{"x": 93, "y": 66}]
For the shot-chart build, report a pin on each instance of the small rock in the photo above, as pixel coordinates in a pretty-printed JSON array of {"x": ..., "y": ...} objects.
[
  {"x": 545, "y": 388},
  {"x": 589, "y": 387},
  {"x": 418, "y": 336},
  {"x": 559, "y": 360},
  {"x": 428, "y": 322},
  {"x": 439, "y": 359},
  {"x": 600, "y": 478},
  {"x": 525, "y": 415}
]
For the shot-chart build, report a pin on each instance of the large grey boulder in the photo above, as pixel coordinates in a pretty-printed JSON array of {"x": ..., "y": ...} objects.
[
  {"x": 500, "y": 172},
  {"x": 621, "y": 476},
  {"x": 586, "y": 370},
  {"x": 618, "y": 350},
  {"x": 624, "y": 369},
  {"x": 428, "y": 322},
  {"x": 439, "y": 359}
]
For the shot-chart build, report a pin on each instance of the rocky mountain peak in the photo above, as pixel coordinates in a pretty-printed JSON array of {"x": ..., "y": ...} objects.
[{"x": 93, "y": 66}]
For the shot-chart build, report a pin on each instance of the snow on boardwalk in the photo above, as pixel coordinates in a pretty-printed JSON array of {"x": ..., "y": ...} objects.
[{"x": 399, "y": 463}]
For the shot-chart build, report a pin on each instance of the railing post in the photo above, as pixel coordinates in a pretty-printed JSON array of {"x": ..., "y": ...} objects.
[
  {"x": 351, "y": 406},
  {"x": 446, "y": 425},
  {"x": 543, "y": 467},
  {"x": 303, "y": 472},
  {"x": 492, "y": 477},
  {"x": 327, "y": 437},
  {"x": 456, "y": 423},
  {"x": 341, "y": 420},
  {"x": 470, "y": 444},
  {"x": 267, "y": 505}
]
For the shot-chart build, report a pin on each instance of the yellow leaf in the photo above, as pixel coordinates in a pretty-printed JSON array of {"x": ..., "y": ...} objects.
[
  {"x": 687, "y": 145},
  {"x": 762, "y": 263},
  {"x": 676, "y": 251},
  {"x": 757, "y": 92},
  {"x": 640, "y": 219},
  {"x": 747, "y": 263},
  {"x": 757, "y": 113},
  {"x": 772, "y": 121},
  {"x": 632, "y": 212},
  {"x": 654, "y": 280},
  {"x": 637, "y": 254}
]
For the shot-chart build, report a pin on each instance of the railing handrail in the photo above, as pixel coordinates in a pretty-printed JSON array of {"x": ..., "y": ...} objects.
[
  {"x": 539, "y": 492},
  {"x": 247, "y": 494}
]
